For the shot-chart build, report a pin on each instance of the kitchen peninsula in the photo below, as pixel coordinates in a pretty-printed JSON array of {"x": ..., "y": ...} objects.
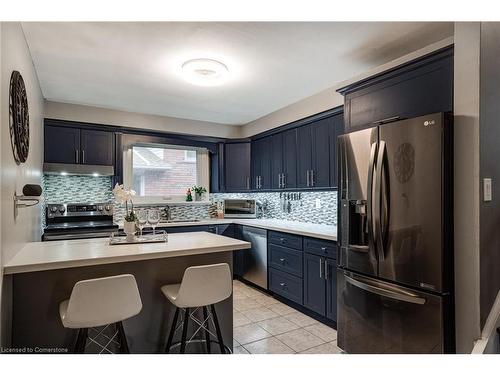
[{"x": 43, "y": 275}]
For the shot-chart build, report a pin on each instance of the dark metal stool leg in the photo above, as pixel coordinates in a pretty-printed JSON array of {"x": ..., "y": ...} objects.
[
  {"x": 123, "y": 339},
  {"x": 207, "y": 327},
  {"x": 184, "y": 331},
  {"x": 81, "y": 340},
  {"x": 172, "y": 331},
  {"x": 217, "y": 329}
]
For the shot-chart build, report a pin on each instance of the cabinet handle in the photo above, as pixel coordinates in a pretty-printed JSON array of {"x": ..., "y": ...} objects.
[
  {"x": 283, "y": 184},
  {"x": 282, "y": 285},
  {"x": 326, "y": 270},
  {"x": 307, "y": 177},
  {"x": 279, "y": 180},
  {"x": 320, "y": 268},
  {"x": 248, "y": 183},
  {"x": 282, "y": 260},
  {"x": 83, "y": 156},
  {"x": 312, "y": 177},
  {"x": 77, "y": 152},
  {"x": 323, "y": 249},
  {"x": 282, "y": 240},
  {"x": 256, "y": 182}
]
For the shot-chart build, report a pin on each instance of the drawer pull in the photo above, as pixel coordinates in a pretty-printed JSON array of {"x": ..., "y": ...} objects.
[
  {"x": 282, "y": 285},
  {"x": 282, "y": 260},
  {"x": 323, "y": 248},
  {"x": 282, "y": 239}
]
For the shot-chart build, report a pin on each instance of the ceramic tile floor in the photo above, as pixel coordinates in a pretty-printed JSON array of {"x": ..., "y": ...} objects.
[{"x": 264, "y": 325}]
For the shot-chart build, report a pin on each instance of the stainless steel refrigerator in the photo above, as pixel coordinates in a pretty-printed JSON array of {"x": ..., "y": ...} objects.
[{"x": 395, "y": 263}]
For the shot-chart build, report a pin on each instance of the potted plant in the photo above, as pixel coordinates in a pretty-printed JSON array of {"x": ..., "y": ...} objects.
[
  {"x": 124, "y": 197},
  {"x": 199, "y": 191}
]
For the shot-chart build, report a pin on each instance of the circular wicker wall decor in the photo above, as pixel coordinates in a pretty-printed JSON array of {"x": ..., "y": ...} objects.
[{"x": 19, "y": 121}]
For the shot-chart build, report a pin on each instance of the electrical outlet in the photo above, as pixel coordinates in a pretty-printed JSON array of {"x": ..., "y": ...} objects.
[
  {"x": 487, "y": 190},
  {"x": 318, "y": 203}
]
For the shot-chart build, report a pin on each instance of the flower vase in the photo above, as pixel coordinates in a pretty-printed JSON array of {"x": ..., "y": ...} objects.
[{"x": 130, "y": 230}]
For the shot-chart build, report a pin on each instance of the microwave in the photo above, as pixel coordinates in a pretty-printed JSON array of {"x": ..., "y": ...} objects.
[{"x": 240, "y": 208}]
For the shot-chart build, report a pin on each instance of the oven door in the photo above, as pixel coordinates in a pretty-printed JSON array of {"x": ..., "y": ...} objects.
[
  {"x": 379, "y": 317},
  {"x": 61, "y": 235}
]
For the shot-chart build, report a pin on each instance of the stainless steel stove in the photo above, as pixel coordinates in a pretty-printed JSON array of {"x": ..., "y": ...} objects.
[{"x": 78, "y": 220}]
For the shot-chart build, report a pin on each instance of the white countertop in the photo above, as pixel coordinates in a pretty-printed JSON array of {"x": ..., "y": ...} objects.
[
  {"x": 41, "y": 256},
  {"x": 323, "y": 231}
]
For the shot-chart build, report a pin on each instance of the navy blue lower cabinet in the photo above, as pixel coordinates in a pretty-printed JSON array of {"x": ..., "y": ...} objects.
[
  {"x": 331, "y": 288},
  {"x": 314, "y": 283},
  {"x": 189, "y": 228},
  {"x": 285, "y": 259},
  {"x": 285, "y": 285}
]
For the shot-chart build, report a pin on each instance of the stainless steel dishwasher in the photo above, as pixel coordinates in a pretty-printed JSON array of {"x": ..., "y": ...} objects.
[{"x": 255, "y": 259}]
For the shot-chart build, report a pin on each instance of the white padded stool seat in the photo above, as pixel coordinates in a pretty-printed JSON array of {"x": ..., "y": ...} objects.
[
  {"x": 102, "y": 301},
  {"x": 201, "y": 286}
]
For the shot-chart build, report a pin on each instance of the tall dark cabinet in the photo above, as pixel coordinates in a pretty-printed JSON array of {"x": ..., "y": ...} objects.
[
  {"x": 237, "y": 166},
  {"x": 289, "y": 159},
  {"x": 261, "y": 164}
]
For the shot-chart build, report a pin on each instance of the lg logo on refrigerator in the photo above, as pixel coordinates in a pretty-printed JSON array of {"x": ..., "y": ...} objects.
[{"x": 429, "y": 122}]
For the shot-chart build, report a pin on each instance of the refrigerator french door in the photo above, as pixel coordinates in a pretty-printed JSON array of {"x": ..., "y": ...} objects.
[{"x": 395, "y": 253}]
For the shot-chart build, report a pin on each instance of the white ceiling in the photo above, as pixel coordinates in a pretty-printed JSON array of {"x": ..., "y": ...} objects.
[{"x": 135, "y": 66}]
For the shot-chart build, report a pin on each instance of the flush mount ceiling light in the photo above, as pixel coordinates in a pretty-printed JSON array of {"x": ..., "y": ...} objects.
[{"x": 205, "y": 72}]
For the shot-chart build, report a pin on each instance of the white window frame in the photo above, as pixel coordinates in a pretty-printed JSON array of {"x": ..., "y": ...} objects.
[{"x": 202, "y": 173}]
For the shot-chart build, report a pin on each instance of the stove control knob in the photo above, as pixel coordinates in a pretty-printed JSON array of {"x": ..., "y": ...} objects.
[
  {"x": 100, "y": 208},
  {"x": 62, "y": 209},
  {"x": 53, "y": 209},
  {"x": 108, "y": 207}
]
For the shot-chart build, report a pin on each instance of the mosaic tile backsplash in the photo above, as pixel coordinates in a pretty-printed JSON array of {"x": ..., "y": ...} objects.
[
  {"x": 303, "y": 210},
  {"x": 77, "y": 189},
  {"x": 81, "y": 189}
]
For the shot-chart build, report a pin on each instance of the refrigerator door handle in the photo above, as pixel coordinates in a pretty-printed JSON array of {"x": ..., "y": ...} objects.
[
  {"x": 369, "y": 203},
  {"x": 375, "y": 287},
  {"x": 378, "y": 202}
]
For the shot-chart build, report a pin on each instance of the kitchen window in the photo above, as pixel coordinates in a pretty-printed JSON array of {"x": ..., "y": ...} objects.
[{"x": 160, "y": 173}]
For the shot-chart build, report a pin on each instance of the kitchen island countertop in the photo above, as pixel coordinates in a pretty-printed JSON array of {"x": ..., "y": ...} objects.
[{"x": 42, "y": 256}]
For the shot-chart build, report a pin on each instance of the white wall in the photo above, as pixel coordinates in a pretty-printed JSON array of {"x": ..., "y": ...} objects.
[
  {"x": 329, "y": 98},
  {"x": 15, "y": 232},
  {"x": 466, "y": 184},
  {"x": 76, "y": 112}
]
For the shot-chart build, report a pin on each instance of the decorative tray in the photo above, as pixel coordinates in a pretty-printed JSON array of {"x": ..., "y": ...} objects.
[{"x": 122, "y": 239}]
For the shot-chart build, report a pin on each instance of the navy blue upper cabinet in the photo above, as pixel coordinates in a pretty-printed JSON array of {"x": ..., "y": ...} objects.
[
  {"x": 73, "y": 145},
  {"x": 261, "y": 164},
  {"x": 237, "y": 166},
  {"x": 417, "y": 88},
  {"x": 61, "y": 145},
  {"x": 304, "y": 156},
  {"x": 277, "y": 170},
  {"x": 320, "y": 172},
  {"x": 98, "y": 147},
  {"x": 290, "y": 155},
  {"x": 336, "y": 129},
  {"x": 313, "y": 156}
]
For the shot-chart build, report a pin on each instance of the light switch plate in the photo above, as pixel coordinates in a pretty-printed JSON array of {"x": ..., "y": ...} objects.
[
  {"x": 487, "y": 189},
  {"x": 318, "y": 203}
]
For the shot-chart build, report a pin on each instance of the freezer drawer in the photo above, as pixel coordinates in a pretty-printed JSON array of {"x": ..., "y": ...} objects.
[{"x": 379, "y": 317}]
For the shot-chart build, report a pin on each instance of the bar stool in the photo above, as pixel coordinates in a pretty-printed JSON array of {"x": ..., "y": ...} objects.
[
  {"x": 101, "y": 302},
  {"x": 201, "y": 286}
]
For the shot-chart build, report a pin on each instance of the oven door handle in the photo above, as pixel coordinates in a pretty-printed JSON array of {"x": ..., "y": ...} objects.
[{"x": 375, "y": 287}]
